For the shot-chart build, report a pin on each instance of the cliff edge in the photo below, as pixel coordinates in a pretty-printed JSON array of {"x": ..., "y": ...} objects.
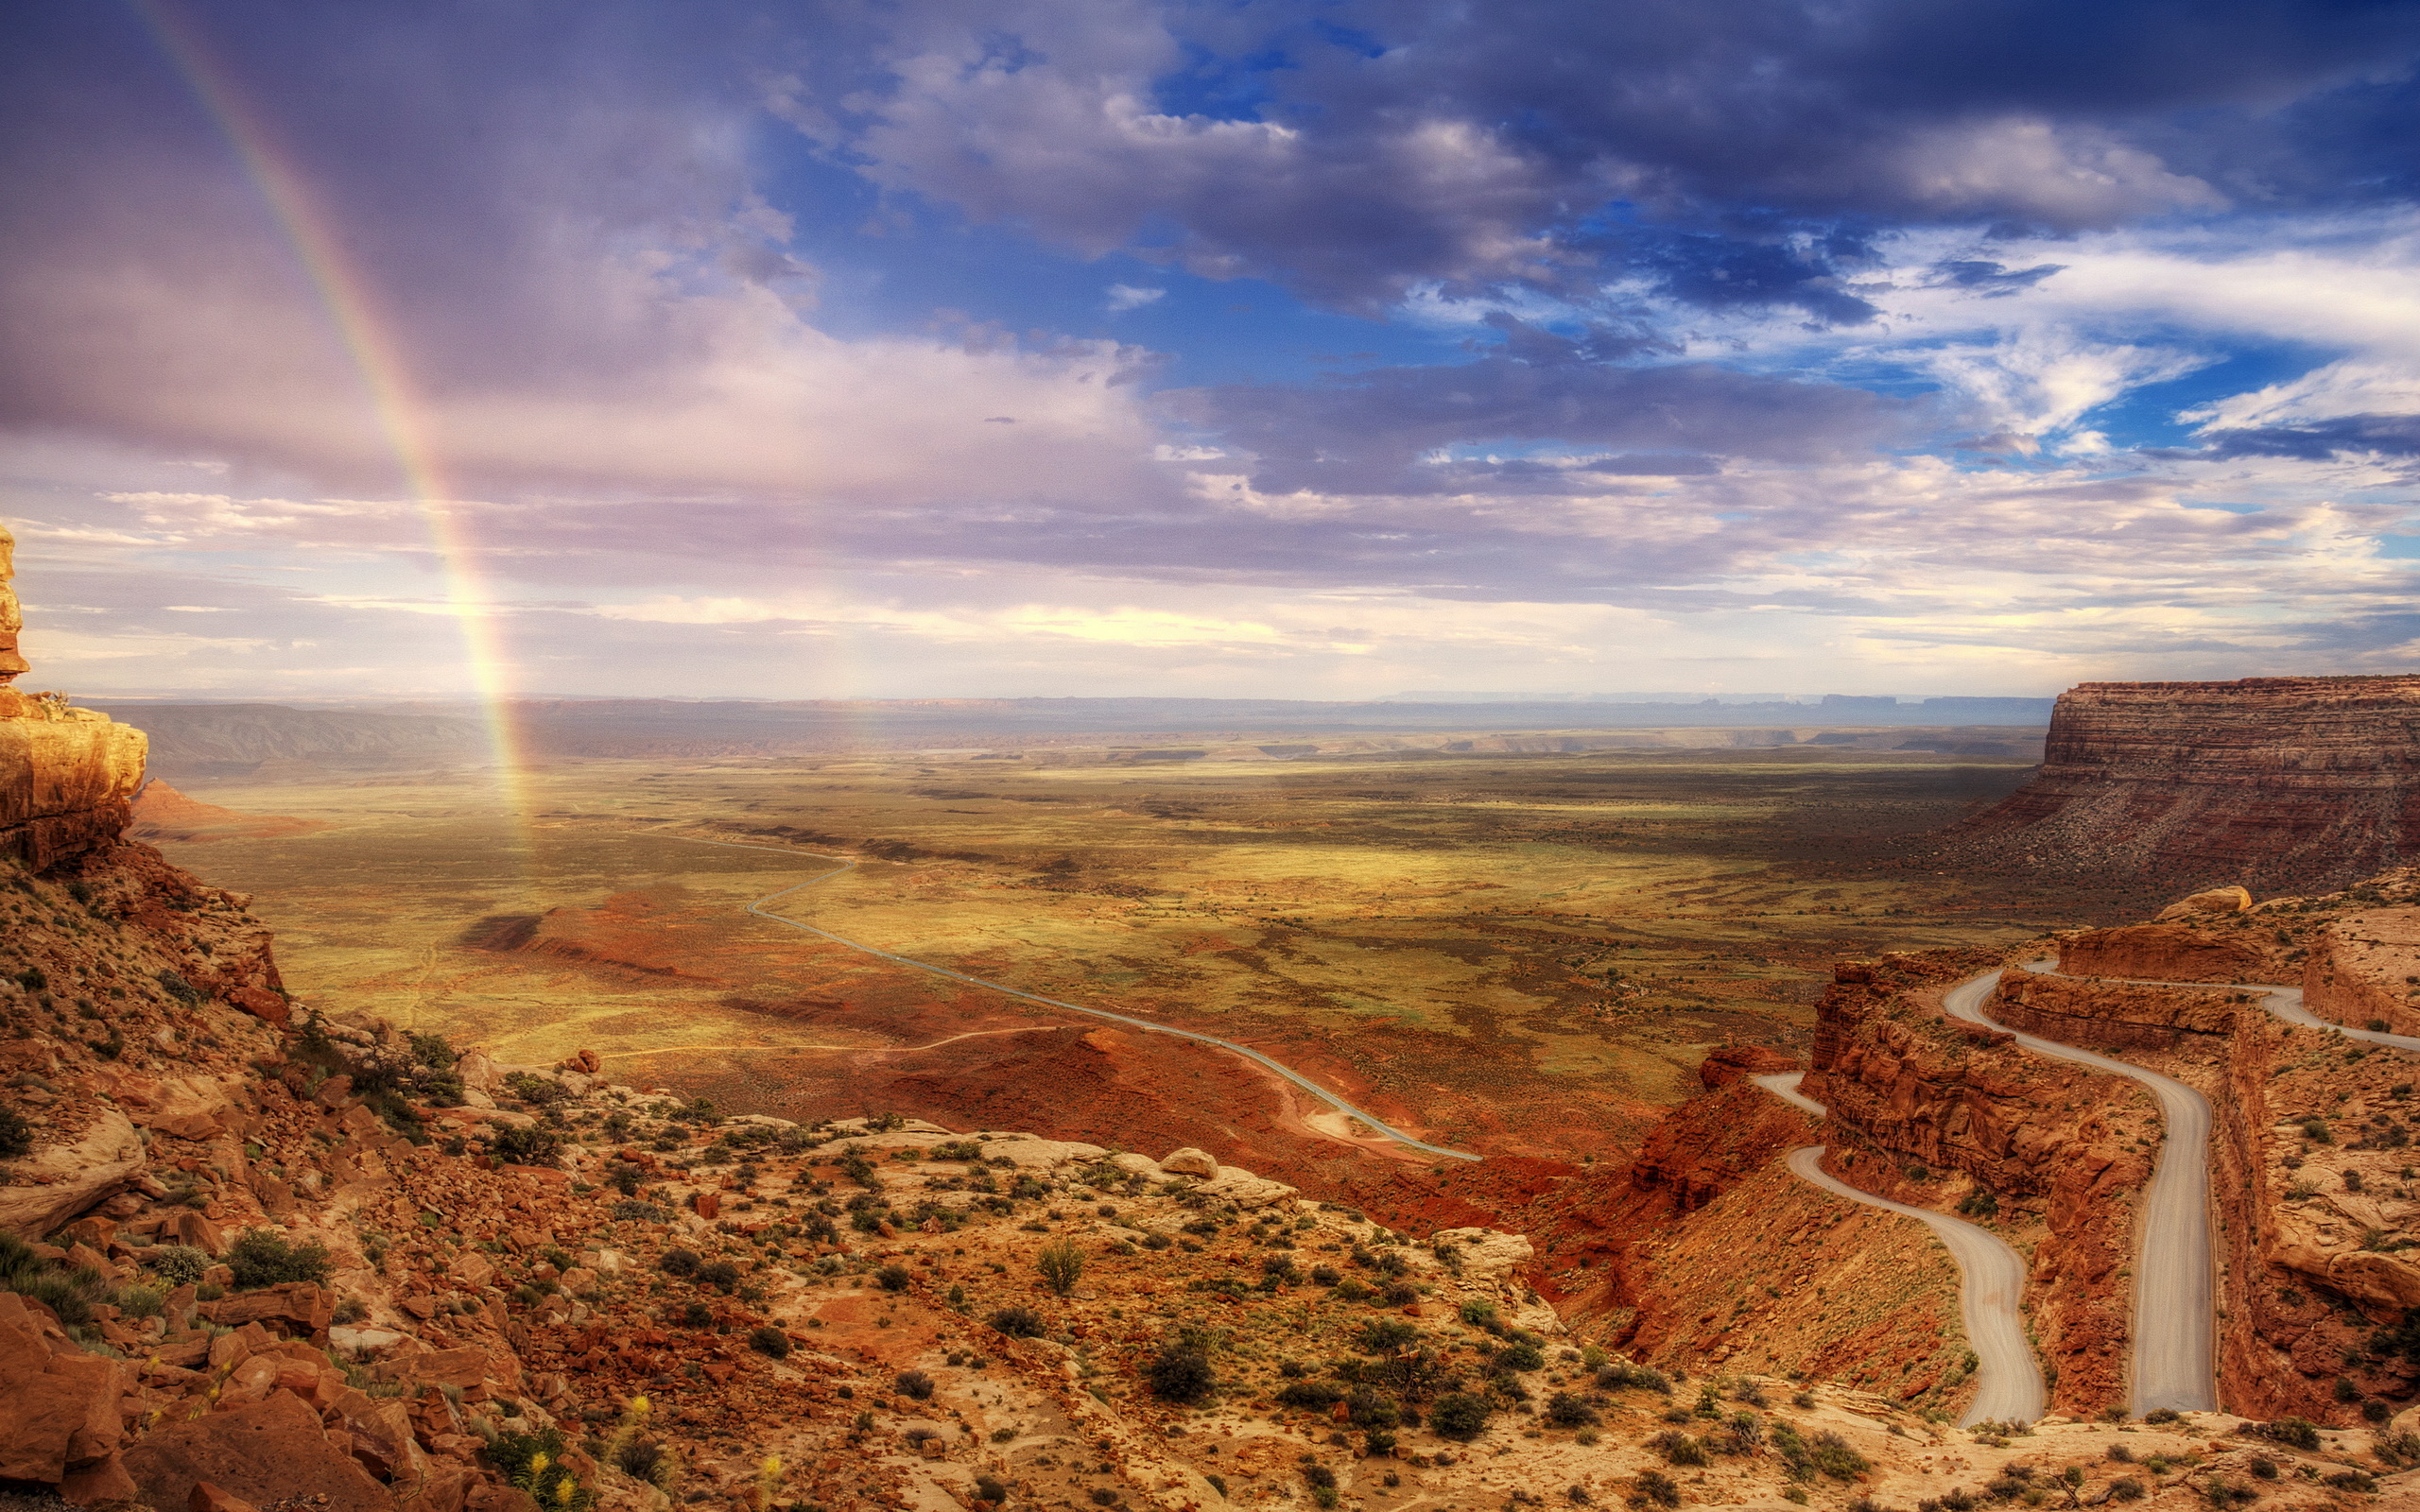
[{"x": 2268, "y": 781}]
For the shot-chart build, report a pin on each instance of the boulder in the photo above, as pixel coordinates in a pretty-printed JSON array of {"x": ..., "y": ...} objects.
[
  {"x": 298, "y": 1306},
  {"x": 1236, "y": 1185},
  {"x": 57, "y": 1410},
  {"x": 2215, "y": 900},
  {"x": 205, "y": 1497},
  {"x": 1190, "y": 1161},
  {"x": 479, "y": 1072},
  {"x": 62, "y": 1180},
  {"x": 260, "y": 1453}
]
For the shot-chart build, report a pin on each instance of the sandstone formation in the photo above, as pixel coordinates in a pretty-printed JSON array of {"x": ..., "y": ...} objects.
[
  {"x": 66, "y": 774},
  {"x": 2162, "y": 952},
  {"x": 2364, "y": 970},
  {"x": 2267, "y": 782}
]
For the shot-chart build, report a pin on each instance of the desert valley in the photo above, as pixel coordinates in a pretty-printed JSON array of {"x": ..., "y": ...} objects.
[{"x": 1489, "y": 1120}]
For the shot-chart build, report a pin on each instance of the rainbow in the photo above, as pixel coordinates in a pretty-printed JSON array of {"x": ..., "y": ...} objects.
[{"x": 367, "y": 339}]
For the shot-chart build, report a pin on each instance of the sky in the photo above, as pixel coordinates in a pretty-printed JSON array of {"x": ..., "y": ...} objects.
[{"x": 937, "y": 349}]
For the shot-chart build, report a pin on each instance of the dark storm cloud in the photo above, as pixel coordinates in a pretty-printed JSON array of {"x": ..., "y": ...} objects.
[
  {"x": 1365, "y": 433},
  {"x": 1531, "y": 140}
]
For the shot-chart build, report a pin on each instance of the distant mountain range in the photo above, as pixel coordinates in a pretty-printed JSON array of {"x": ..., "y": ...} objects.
[{"x": 203, "y": 740}]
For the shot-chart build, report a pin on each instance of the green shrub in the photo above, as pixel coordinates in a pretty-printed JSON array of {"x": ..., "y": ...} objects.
[
  {"x": 532, "y": 1145},
  {"x": 534, "y": 1463},
  {"x": 1460, "y": 1415},
  {"x": 1655, "y": 1488},
  {"x": 260, "y": 1258},
  {"x": 177, "y": 1264},
  {"x": 1563, "y": 1410},
  {"x": 1677, "y": 1448},
  {"x": 16, "y": 1135},
  {"x": 1385, "y": 1335},
  {"x": 721, "y": 1275},
  {"x": 769, "y": 1340},
  {"x": 2295, "y": 1433},
  {"x": 1311, "y": 1396},
  {"x": 1182, "y": 1374},
  {"x": 1061, "y": 1265},
  {"x": 893, "y": 1278},
  {"x": 678, "y": 1262},
  {"x": 1019, "y": 1323},
  {"x": 1622, "y": 1375}
]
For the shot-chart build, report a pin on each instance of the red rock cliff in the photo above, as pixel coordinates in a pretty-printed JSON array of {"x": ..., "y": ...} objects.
[
  {"x": 67, "y": 776},
  {"x": 2266, "y": 781}
]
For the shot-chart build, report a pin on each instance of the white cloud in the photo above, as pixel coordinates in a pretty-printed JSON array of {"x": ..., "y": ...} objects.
[{"x": 1125, "y": 296}]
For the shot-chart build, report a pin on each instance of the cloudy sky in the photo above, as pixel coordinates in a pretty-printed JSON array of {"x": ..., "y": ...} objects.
[{"x": 1102, "y": 347}]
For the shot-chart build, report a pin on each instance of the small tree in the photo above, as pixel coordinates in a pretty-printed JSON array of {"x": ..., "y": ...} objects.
[
  {"x": 1061, "y": 1265},
  {"x": 1460, "y": 1416}
]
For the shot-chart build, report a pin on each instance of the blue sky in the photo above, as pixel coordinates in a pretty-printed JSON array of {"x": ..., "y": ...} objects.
[{"x": 1296, "y": 350}]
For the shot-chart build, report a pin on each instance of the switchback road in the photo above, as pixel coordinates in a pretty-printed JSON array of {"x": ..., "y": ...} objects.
[{"x": 2007, "y": 1379}]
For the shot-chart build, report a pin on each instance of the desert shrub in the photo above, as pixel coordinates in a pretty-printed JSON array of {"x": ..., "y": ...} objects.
[
  {"x": 893, "y": 1278},
  {"x": 1979, "y": 1203},
  {"x": 2295, "y": 1433},
  {"x": 526, "y": 1147},
  {"x": 678, "y": 1262},
  {"x": 260, "y": 1258},
  {"x": 1621, "y": 1375},
  {"x": 721, "y": 1275},
  {"x": 1460, "y": 1415},
  {"x": 769, "y": 1340},
  {"x": 641, "y": 1212},
  {"x": 1480, "y": 1314},
  {"x": 16, "y": 1135},
  {"x": 639, "y": 1458},
  {"x": 2358, "y": 1480},
  {"x": 1655, "y": 1488},
  {"x": 1563, "y": 1410},
  {"x": 534, "y": 1463},
  {"x": 1521, "y": 1354},
  {"x": 1679, "y": 1447},
  {"x": 1385, "y": 1335},
  {"x": 1180, "y": 1373},
  {"x": 67, "y": 1291},
  {"x": 1061, "y": 1265},
  {"x": 532, "y": 1088},
  {"x": 2125, "y": 1488},
  {"x": 177, "y": 1264},
  {"x": 1019, "y": 1323},
  {"x": 178, "y": 987},
  {"x": 1832, "y": 1454},
  {"x": 914, "y": 1383},
  {"x": 1311, "y": 1396}
]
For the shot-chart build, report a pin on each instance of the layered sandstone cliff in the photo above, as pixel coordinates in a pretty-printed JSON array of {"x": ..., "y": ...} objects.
[
  {"x": 67, "y": 776},
  {"x": 2270, "y": 781}
]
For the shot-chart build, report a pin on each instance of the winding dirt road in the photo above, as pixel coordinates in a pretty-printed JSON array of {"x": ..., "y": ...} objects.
[
  {"x": 2009, "y": 1384},
  {"x": 2175, "y": 1323},
  {"x": 760, "y": 909}
]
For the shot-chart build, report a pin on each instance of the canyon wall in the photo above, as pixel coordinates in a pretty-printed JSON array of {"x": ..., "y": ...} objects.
[{"x": 2269, "y": 781}]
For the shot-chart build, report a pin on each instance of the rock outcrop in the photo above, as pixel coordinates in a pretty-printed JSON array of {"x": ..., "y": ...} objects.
[
  {"x": 2270, "y": 781},
  {"x": 67, "y": 776},
  {"x": 2364, "y": 970}
]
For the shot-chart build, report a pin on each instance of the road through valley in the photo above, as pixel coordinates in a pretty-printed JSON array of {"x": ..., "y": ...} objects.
[
  {"x": 2007, "y": 1379},
  {"x": 2174, "y": 1323}
]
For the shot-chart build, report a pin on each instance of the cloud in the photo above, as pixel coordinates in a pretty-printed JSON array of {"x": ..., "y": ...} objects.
[{"x": 1125, "y": 296}]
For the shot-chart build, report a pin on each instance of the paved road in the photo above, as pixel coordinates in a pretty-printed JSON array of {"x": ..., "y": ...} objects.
[
  {"x": 761, "y": 911},
  {"x": 2175, "y": 1322},
  {"x": 2008, "y": 1380},
  {"x": 2285, "y": 1001}
]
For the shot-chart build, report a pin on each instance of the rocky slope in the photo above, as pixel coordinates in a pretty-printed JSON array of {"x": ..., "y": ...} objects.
[{"x": 2270, "y": 781}]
